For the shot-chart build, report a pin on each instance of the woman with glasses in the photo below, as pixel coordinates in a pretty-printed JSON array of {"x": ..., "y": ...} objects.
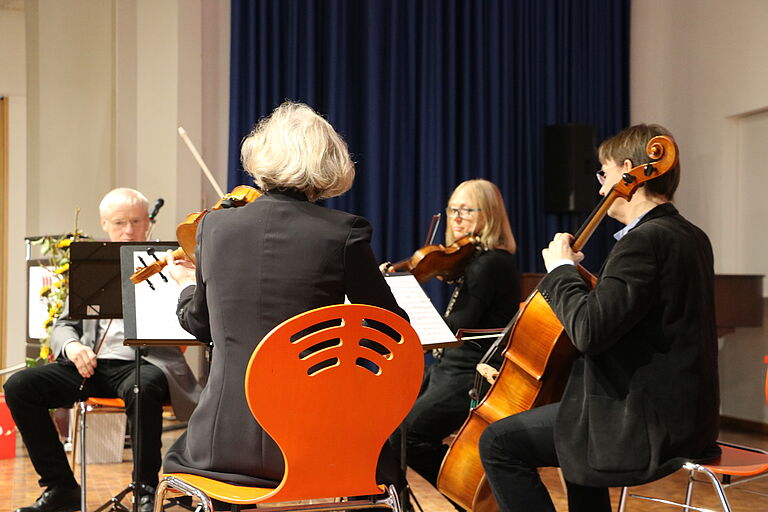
[{"x": 485, "y": 297}]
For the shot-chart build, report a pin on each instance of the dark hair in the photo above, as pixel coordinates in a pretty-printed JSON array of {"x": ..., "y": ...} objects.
[{"x": 629, "y": 144}]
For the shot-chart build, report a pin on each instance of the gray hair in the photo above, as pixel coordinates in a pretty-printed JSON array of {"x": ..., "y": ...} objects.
[{"x": 295, "y": 148}]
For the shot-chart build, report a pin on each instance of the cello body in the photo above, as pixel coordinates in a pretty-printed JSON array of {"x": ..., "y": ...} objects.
[{"x": 532, "y": 374}]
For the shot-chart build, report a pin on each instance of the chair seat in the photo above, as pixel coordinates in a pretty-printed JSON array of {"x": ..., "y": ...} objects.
[
  {"x": 106, "y": 402},
  {"x": 237, "y": 494},
  {"x": 739, "y": 462}
]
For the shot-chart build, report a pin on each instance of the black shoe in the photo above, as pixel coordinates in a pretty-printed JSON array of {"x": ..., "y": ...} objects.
[
  {"x": 147, "y": 503},
  {"x": 56, "y": 499}
]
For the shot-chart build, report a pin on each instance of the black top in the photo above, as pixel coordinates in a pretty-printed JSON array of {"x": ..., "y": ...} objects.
[
  {"x": 488, "y": 299},
  {"x": 257, "y": 266}
]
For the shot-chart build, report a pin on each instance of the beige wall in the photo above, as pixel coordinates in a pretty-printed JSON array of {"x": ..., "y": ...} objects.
[
  {"x": 13, "y": 84},
  {"x": 699, "y": 67},
  {"x": 106, "y": 84}
]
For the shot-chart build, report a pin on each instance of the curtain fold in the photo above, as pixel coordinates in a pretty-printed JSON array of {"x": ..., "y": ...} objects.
[{"x": 429, "y": 93}]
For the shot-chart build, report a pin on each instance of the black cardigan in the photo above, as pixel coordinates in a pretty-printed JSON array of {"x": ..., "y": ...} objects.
[{"x": 643, "y": 396}]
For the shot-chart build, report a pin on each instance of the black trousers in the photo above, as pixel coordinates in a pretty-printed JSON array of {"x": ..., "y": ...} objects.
[
  {"x": 32, "y": 392},
  {"x": 440, "y": 410},
  {"x": 512, "y": 448}
]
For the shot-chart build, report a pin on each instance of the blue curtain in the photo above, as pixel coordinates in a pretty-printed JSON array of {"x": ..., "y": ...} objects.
[{"x": 429, "y": 93}]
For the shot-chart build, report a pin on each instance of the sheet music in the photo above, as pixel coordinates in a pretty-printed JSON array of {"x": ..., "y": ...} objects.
[
  {"x": 156, "y": 309},
  {"x": 426, "y": 321}
]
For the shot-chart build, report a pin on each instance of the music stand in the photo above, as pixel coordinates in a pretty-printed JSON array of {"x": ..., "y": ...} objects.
[
  {"x": 95, "y": 293},
  {"x": 149, "y": 319}
]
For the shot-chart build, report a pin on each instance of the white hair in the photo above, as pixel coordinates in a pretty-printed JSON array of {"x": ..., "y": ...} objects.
[
  {"x": 295, "y": 148},
  {"x": 119, "y": 196}
]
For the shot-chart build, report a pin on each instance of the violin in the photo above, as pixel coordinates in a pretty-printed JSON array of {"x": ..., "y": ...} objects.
[
  {"x": 436, "y": 260},
  {"x": 186, "y": 232}
]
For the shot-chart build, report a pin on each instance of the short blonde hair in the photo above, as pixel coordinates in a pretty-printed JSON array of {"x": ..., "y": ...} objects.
[
  {"x": 123, "y": 195},
  {"x": 295, "y": 148},
  {"x": 496, "y": 232}
]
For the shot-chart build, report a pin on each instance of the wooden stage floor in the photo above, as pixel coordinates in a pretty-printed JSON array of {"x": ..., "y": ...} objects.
[{"x": 18, "y": 484}]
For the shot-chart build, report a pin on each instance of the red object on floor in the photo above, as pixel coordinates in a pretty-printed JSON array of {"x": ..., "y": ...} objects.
[{"x": 7, "y": 431}]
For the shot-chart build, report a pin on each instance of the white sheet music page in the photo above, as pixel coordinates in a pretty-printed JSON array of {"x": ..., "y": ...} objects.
[
  {"x": 426, "y": 321},
  {"x": 156, "y": 309}
]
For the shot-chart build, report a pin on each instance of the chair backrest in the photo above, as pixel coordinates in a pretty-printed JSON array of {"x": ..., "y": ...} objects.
[{"x": 330, "y": 386}]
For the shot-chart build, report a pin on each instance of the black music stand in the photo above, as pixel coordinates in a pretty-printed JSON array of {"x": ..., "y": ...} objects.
[{"x": 96, "y": 293}]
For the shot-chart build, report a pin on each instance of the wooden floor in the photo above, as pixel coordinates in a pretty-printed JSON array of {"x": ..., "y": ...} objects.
[{"x": 18, "y": 484}]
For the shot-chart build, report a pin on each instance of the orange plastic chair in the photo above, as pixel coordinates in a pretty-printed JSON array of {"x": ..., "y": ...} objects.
[
  {"x": 348, "y": 374},
  {"x": 736, "y": 465}
]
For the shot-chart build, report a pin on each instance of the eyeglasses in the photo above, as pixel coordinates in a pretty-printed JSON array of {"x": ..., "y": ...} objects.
[
  {"x": 123, "y": 223},
  {"x": 600, "y": 175},
  {"x": 462, "y": 213}
]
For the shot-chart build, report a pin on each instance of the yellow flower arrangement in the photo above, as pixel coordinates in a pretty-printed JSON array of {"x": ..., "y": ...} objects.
[{"x": 54, "y": 295}]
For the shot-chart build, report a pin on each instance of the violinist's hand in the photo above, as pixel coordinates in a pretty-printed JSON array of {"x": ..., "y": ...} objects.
[
  {"x": 83, "y": 356},
  {"x": 384, "y": 267},
  {"x": 182, "y": 271},
  {"x": 560, "y": 249},
  {"x": 488, "y": 372}
]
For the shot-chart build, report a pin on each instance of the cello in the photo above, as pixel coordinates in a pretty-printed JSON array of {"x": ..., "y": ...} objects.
[{"x": 537, "y": 357}]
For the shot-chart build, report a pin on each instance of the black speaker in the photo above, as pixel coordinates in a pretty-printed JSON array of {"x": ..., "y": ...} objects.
[{"x": 569, "y": 165}]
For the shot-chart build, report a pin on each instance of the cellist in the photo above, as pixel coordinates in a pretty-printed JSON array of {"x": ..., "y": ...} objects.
[{"x": 642, "y": 396}]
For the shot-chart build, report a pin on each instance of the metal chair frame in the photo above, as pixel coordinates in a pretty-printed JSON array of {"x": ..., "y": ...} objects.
[
  {"x": 757, "y": 468},
  {"x": 79, "y": 429}
]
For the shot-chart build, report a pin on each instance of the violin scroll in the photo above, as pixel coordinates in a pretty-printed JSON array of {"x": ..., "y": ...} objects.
[{"x": 186, "y": 232}]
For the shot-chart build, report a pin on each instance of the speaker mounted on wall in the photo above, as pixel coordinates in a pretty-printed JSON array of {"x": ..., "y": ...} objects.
[{"x": 569, "y": 165}]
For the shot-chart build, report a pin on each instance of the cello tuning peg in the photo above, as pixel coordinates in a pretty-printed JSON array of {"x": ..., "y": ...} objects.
[
  {"x": 649, "y": 169},
  {"x": 628, "y": 178}
]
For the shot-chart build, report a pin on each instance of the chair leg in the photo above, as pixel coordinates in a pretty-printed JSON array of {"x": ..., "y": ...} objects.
[
  {"x": 689, "y": 491},
  {"x": 174, "y": 483},
  {"x": 82, "y": 410},
  {"x": 160, "y": 492},
  {"x": 622, "y": 499},
  {"x": 713, "y": 479},
  {"x": 393, "y": 499}
]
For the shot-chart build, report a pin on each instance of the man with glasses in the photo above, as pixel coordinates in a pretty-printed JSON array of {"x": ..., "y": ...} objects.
[
  {"x": 642, "y": 397},
  {"x": 79, "y": 373}
]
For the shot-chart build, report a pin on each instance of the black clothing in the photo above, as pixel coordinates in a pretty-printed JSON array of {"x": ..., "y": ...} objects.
[
  {"x": 514, "y": 447},
  {"x": 257, "y": 266},
  {"x": 56, "y": 499},
  {"x": 489, "y": 297},
  {"x": 31, "y": 393},
  {"x": 643, "y": 396}
]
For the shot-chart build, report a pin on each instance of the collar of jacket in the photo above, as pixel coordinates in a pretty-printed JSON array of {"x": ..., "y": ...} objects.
[
  {"x": 661, "y": 210},
  {"x": 286, "y": 194}
]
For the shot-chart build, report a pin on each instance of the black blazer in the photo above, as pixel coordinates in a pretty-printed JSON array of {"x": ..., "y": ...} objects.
[
  {"x": 644, "y": 394},
  {"x": 257, "y": 266}
]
